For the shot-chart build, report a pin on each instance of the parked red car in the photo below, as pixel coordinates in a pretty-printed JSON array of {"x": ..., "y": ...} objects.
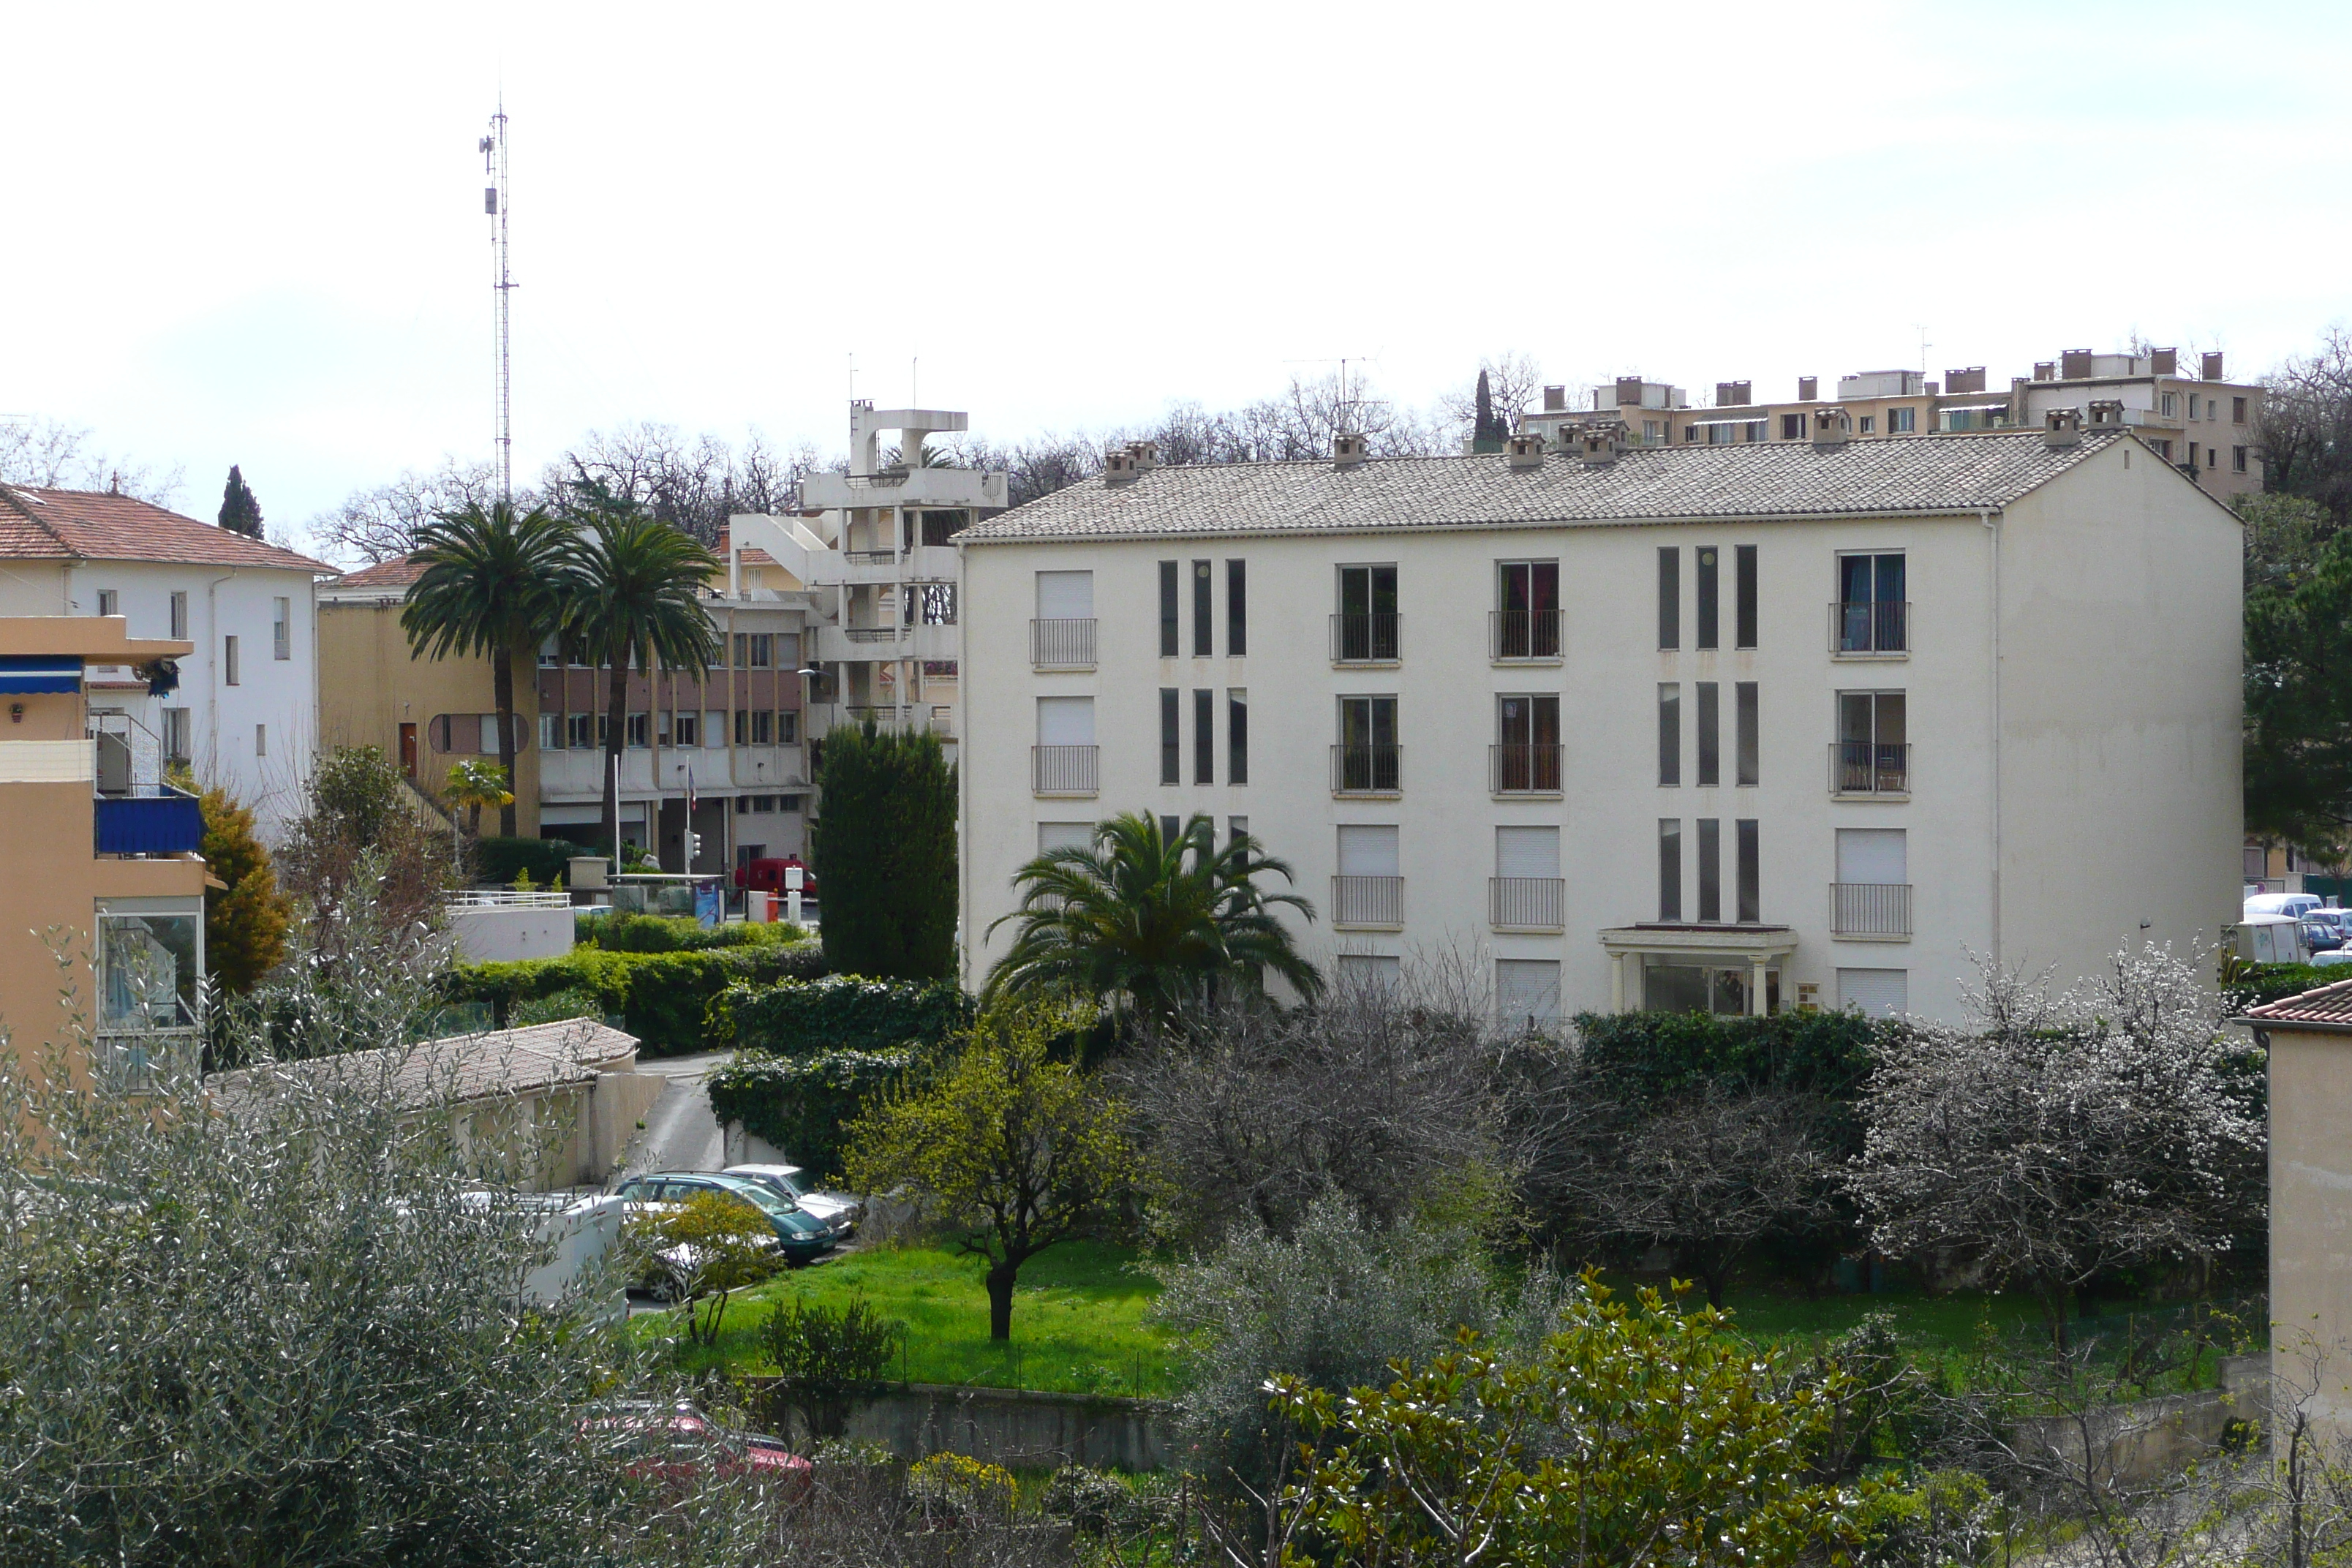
[
  {"x": 679, "y": 1444},
  {"x": 768, "y": 876}
]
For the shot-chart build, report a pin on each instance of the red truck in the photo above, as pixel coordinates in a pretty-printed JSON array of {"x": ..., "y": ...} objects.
[{"x": 768, "y": 876}]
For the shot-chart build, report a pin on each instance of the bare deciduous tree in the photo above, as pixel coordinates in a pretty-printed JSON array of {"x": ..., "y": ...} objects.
[
  {"x": 380, "y": 523},
  {"x": 1514, "y": 382},
  {"x": 41, "y": 453},
  {"x": 694, "y": 485}
]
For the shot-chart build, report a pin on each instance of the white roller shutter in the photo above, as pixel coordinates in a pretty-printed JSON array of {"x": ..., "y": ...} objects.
[
  {"x": 1052, "y": 835},
  {"x": 1370, "y": 971},
  {"x": 1527, "y": 989},
  {"x": 1367, "y": 852},
  {"x": 1065, "y": 720},
  {"x": 1065, "y": 595},
  {"x": 1872, "y": 854},
  {"x": 1874, "y": 992},
  {"x": 1527, "y": 852}
]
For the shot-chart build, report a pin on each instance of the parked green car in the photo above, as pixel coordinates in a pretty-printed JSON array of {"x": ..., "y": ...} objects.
[{"x": 801, "y": 1236}]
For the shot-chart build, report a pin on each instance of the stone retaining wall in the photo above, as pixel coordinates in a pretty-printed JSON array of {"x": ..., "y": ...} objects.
[{"x": 1014, "y": 1427}]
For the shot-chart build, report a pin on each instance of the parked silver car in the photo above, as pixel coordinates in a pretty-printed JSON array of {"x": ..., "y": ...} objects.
[{"x": 839, "y": 1210}]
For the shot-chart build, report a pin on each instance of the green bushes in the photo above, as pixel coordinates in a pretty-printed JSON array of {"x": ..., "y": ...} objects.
[
  {"x": 2253, "y": 984},
  {"x": 841, "y": 1012},
  {"x": 626, "y": 933},
  {"x": 800, "y": 1104},
  {"x": 1667, "y": 1055},
  {"x": 664, "y": 997},
  {"x": 497, "y": 861}
]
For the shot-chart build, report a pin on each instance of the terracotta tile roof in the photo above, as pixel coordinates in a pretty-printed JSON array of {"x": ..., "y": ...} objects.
[
  {"x": 1645, "y": 484},
  {"x": 392, "y": 577},
  {"x": 495, "y": 1065},
  {"x": 2329, "y": 1007},
  {"x": 94, "y": 525}
]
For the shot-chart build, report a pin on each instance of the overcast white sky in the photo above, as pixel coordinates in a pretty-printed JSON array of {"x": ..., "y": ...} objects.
[{"x": 253, "y": 235}]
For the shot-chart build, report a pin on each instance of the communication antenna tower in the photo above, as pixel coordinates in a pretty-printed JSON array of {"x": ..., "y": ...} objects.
[{"x": 493, "y": 148}]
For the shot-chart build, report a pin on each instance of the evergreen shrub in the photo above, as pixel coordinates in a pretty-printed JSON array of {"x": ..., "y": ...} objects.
[
  {"x": 840, "y": 1012},
  {"x": 663, "y": 997},
  {"x": 804, "y": 1104},
  {"x": 497, "y": 861}
]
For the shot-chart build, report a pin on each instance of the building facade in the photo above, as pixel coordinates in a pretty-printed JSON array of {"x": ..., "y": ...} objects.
[
  {"x": 1738, "y": 727},
  {"x": 244, "y": 714},
  {"x": 2203, "y": 423}
]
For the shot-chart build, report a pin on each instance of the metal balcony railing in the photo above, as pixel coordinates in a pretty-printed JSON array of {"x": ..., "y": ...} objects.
[
  {"x": 873, "y": 634},
  {"x": 1359, "y": 903},
  {"x": 1870, "y": 909},
  {"x": 1367, "y": 770},
  {"x": 1367, "y": 639},
  {"x": 1526, "y": 903},
  {"x": 1065, "y": 770},
  {"x": 1529, "y": 636},
  {"x": 1864, "y": 767},
  {"x": 1518, "y": 768},
  {"x": 870, "y": 557},
  {"x": 1872, "y": 629},
  {"x": 1062, "y": 644}
]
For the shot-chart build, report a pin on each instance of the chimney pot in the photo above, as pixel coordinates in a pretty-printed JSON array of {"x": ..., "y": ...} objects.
[
  {"x": 2212, "y": 367},
  {"x": 1146, "y": 455},
  {"x": 2163, "y": 362},
  {"x": 2075, "y": 364},
  {"x": 2045, "y": 370},
  {"x": 1349, "y": 451},
  {"x": 1555, "y": 400},
  {"x": 1831, "y": 426},
  {"x": 2062, "y": 427},
  {"x": 1809, "y": 388},
  {"x": 1119, "y": 467},
  {"x": 2107, "y": 413},
  {"x": 1524, "y": 451},
  {"x": 1597, "y": 441}
]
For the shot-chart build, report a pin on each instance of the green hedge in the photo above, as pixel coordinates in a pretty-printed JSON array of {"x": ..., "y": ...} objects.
[
  {"x": 496, "y": 861},
  {"x": 1668, "y": 1054},
  {"x": 2260, "y": 982},
  {"x": 839, "y": 1013},
  {"x": 802, "y": 1105},
  {"x": 626, "y": 933},
  {"x": 664, "y": 997}
]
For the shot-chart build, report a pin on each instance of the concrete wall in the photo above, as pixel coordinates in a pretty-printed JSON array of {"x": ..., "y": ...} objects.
[
  {"x": 1012, "y": 1427},
  {"x": 489, "y": 933},
  {"x": 2311, "y": 1206}
]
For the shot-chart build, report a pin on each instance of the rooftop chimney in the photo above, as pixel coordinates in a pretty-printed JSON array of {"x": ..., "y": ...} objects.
[
  {"x": 1597, "y": 441},
  {"x": 1830, "y": 427},
  {"x": 2045, "y": 370},
  {"x": 1349, "y": 451},
  {"x": 1969, "y": 379},
  {"x": 1555, "y": 400},
  {"x": 1731, "y": 393},
  {"x": 2062, "y": 427},
  {"x": 2107, "y": 413},
  {"x": 1809, "y": 388},
  {"x": 1523, "y": 452},
  {"x": 2163, "y": 362},
  {"x": 1629, "y": 391},
  {"x": 1146, "y": 455},
  {"x": 1119, "y": 467},
  {"x": 2211, "y": 370},
  {"x": 2075, "y": 364}
]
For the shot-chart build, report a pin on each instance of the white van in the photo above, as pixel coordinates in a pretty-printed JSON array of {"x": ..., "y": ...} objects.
[{"x": 2270, "y": 938}]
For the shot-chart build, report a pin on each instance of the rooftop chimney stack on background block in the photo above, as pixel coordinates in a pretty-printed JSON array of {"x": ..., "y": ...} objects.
[
  {"x": 2062, "y": 427},
  {"x": 1349, "y": 451},
  {"x": 2211, "y": 370},
  {"x": 2075, "y": 364},
  {"x": 1119, "y": 467},
  {"x": 1809, "y": 388},
  {"x": 1732, "y": 394},
  {"x": 2045, "y": 370},
  {"x": 1970, "y": 379},
  {"x": 1555, "y": 400},
  {"x": 2106, "y": 412},
  {"x": 2163, "y": 362},
  {"x": 1629, "y": 392},
  {"x": 1146, "y": 455},
  {"x": 1933, "y": 389},
  {"x": 1830, "y": 427},
  {"x": 1524, "y": 451},
  {"x": 1597, "y": 441}
]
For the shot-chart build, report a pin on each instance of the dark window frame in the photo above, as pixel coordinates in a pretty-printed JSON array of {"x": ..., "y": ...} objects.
[
  {"x": 1204, "y": 611},
  {"x": 1707, "y": 599},
  {"x": 1670, "y": 598},
  {"x": 1710, "y": 871},
  {"x": 1169, "y": 596},
  {"x": 1746, "y": 741},
  {"x": 1744, "y": 596},
  {"x": 1750, "y": 911},
  {"x": 1204, "y": 735},
  {"x": 1670, "y": 735},
  {"x": 1670, "y": 870},
  {"x": 1236, "y": 736},
  {"x": 1707, "y": 714},
  {"x": 1171, "y": 727},
  {"x": 1236, "y": 608}
]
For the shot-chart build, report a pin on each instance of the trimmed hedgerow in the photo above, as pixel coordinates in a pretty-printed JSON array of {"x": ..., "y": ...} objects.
[
  {"x": 802, "y": 1105},
  {"x": 1664, "y": 1055},
  {"x": 664, "y": 997},
  {"x": 2254, "y": 985},
  {"x": 497, "y": 861},
  {"x": 840, "y": 1012},
  {"x": 627, "y": 932}
]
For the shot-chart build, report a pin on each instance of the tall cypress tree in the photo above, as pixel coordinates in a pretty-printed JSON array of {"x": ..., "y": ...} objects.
[
  {"x": 885, "y": 855},
  {"x": 1487, "y": 431},
  {"x": 239, "y": 512}
]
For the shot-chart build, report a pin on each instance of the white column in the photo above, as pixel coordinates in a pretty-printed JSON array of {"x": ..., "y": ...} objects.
[
  {"x": 1756, "y": 986},
  {"x": 1617, "y": 983}
]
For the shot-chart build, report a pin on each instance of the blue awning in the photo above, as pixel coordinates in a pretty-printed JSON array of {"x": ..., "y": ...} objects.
[{"x": 40, "y": 672}]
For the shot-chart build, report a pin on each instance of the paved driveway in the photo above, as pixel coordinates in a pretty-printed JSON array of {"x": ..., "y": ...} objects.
[{"x": 680, "y": 1132}]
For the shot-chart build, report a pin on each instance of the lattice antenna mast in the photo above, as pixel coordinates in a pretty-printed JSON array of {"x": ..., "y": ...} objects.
[{"x": 493, "y": 149}]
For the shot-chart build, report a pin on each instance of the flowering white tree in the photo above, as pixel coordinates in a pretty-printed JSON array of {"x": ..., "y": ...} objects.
[{"x": 2111, "y": 1126}]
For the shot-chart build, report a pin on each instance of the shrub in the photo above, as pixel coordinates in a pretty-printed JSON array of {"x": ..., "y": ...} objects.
[
  {"x": 244, "y": 921},
  {"x": 1666, "y": 1054},
  {"x": 886, "y": 854},
  {"x": 627, "y": 932},
  {"x": 840, "y": 1012},
  {"x": 828, "y": 1359},
  {"x": 954, "y": 1488},
  {"x": 804, "y": 1105},
  {"x": 496, "y": 862},
  {"x": 2253, "y": 984},
  {"x": 663, "y": 997},
  {"x": 555, "y": 1008},
  {"x": 1095, "y": 1502},
  {"x": 703, "y": 1251}
]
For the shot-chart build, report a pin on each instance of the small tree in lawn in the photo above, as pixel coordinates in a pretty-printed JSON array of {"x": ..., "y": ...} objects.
[
  {"x": 1016, "y": 1150},
  {"x": 828, "y": 1360},
  {"x": 885, "y": 855},
  {"x": 706, "y": 1249}
]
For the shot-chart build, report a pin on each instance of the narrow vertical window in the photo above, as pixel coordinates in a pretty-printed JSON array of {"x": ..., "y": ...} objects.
[
  {"x": 1711, "y": 869},
  {"x": 1744, "y": 699},
  {"x": 1670, "y": 596},
  {"x": 1237, "y": 737},
  {"x": 1670, "y": 870},
  {"x": 179, "y": 615},
  {"x": 1204, "y": 736},
  {"x": 1705, "y": 636},
  {"x": 281, "y": 628},
  {"x": 1204, "y": 617},
  {"x": 1168, "y": 648},
  {"x": 261, "y": 739},
  {"x": 1236, "y": 608},
  {"x": 1744, "y": 631},
  {"x": 109, "y": 602},
  {"x": 1670, "y": 735},
  {"x": 1710, "y": 736},
  {"x": 1172, "y": 766},
  {"x": 1751, "y": 901},
  {"x": 228, "y": 659}
]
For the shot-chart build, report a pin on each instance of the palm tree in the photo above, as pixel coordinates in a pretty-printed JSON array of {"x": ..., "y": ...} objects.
[
  {"x": 1149, "y": 922},
  {"x": 636, "y": 586},
  {"x": 493, "y": 584}
]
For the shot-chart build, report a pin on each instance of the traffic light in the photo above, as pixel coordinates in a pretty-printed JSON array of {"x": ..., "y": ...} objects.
[{"x": 693, "y": 849}]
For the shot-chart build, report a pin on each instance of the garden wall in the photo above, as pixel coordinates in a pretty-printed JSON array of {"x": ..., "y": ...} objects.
[
  {"x": 1014, "y": 1427},
  {"x": 2137, "y": 1443}
]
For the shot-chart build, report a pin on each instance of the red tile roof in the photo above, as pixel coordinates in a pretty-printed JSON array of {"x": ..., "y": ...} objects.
[
  {"x": 397, "y": 572},
  {"x": 2329, "y": 1007},
  {"x": 94, "y": 525}
]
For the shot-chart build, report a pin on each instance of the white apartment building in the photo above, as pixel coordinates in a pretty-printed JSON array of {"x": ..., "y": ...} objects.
[
  {"x": 244, "y": 714},
  {"x": 1734, "y": 727}
]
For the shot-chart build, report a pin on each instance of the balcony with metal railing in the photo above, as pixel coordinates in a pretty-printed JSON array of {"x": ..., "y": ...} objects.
[
  {"x": 1870, "y": 769},
  {"x": 1065, "y": 770},
  {"x": 1372, "y": 769},
  {"x": 1062, "y": 644},
  {"x": 1874, "y": 629},
  {"x": 1367, "y": 904},
  {"x": 1871, "y": 911},
  {"x": 1523, "y": 636},
  {"x": 1367, "y": 639},
  {"x": 1527, "y": 903},
  {"x": 1521, "y": 769},
  {"x": 136, "y": 812}
]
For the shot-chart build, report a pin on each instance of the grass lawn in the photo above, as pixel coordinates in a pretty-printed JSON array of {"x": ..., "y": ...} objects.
[{"x": 1077, "y": 1319}]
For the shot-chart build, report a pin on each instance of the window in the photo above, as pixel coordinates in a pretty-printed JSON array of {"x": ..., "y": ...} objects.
[
  {"x": 179, "y": 614},
  {"x": 1792, "y": 426},
  {"x": 1744, "y": 596},
  {"x": 1204, "y": 737},
  {"x": 763, "y": 651},
  {"x": 1670, "y": 870},
  {"x": 1237, "y": 827},
  {"x": 1236, "y": 738},
  {"x": 109, "y": 602},
  {"x": 685, "y": 727},
  {"x": 2237, "y": 411},
  {"x": 1168, "y": 609},
  {"x": 1370, "y": 760},
  {"x": 1370, "y": 888},
  {"x": 551, "y": 653},
  {"x": 1368, "y": 622},
  {"x": 604, "y": 731},
  {"x": 2193, "y": 405},
  {"x": 1670, "y": 735},
  {"x": 2238, "y": 460},
  {"x": 662, "y": 727},
  {"x": 1711, "y": 869},
  {"x": 1526, "y": 752},
  {"x": 487, "y": 727},
  {"x": 1751, "y": 901},
  {"x": 1868, "y": 424},
  {"x": 175, "y": 734},
  {"x": 150, "y": 970},
  {"x": 261, "y": 739},
  {"x": 1236, "y": 609},
  {"x": 764, "y": 727},
  {"x": 1705, "y": 636},
  {"x": 2163, "y": 449},
  {"x": 1745, "y": 738},
  {"x": 742, "y": 650},
  {"x": 2169, "y": 405},
  {"x": 788, "y": 727},
  {"x": 1670, "y": 596},
  {"x": 1873, "y": 757},
  {"x": 1526, "y": 601},
  {"x": 1171, "y": 763},
  {"x": 1709, "y": 720},
  {"x": 1052, "y": 836},
  {"x": 1874, "y": 992},
  {"x": 281, "y": 628},
  {"x": 714, "y": 726},
  {"x": 1872, "y": 616},
  {"x": 1203, "y": 611},
  {"x": 1902, "y": 421},
  {"x": 551, "y": 731},
  {"x": 1171, "y": 830},
  {"x": 742, "y": 727},
  {"x": 229, "y": 660},
  {"x": 1527, "y": 992},
  {"x": 635, "y": 731},
  {"x": 580, "y": 730}
]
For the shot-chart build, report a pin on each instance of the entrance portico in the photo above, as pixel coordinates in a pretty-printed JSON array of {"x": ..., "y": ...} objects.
[{"x": 1722, "y": 969}]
